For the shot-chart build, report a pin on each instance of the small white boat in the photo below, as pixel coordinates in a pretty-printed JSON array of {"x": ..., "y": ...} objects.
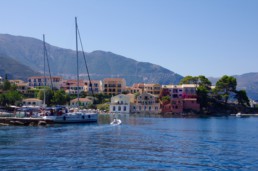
[
  {"x": 116, "y": 122},
  {"x": 238, "y": 114},
  {"x": 241, "y": 115}
]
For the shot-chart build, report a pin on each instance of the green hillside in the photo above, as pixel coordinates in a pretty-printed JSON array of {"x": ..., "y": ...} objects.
[{"x": 14, "y": 69}]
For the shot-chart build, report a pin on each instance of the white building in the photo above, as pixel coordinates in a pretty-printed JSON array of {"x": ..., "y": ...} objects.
[
  {"x": 146, "y": 103},
  {"x": 39, "y": 81},
  {"x": 82, "y": 102},
  {"x": 32, "y": 102},
  {"x": 120, "y": 104}
]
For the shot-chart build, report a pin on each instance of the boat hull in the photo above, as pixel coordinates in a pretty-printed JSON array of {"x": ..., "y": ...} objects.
[{"x": 73, "y": 118}]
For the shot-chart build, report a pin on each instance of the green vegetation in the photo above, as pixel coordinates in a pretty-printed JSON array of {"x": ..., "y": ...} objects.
[
  {"x": 10, "y": 95},
  {"x": 225, "y": 87},
  {"x": 165, "y": 99}
]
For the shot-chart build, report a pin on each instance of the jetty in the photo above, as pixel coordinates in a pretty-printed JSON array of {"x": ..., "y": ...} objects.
[{"x": 24, "y": 121}]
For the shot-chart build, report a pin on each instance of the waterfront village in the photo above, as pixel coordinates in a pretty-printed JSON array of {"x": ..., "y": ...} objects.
[{"x": 138, "y": 98}]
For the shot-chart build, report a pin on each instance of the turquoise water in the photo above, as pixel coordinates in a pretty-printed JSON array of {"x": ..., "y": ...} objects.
[{"x": 140, "y": 143}]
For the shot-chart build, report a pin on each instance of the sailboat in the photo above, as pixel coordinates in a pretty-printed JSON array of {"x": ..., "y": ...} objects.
[{"x": 79, "y": 116}]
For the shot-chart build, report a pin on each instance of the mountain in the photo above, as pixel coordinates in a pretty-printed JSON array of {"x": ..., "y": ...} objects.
[
  {"x": 248, "y": 82},
  {"x": 29, "y": 52},
  {"x": 14, "y": 69}
]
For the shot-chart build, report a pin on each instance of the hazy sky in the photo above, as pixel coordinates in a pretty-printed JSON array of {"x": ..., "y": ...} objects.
[{"x": 189, "y": 37}]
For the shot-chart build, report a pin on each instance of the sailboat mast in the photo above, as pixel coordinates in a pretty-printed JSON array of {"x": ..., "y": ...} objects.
[
  {"x": 44, "y": 90},
  {"x": 77, "y": 56}
]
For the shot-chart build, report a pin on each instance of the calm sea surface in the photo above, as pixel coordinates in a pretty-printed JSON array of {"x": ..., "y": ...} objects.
[{"x": 140, "y": 143}]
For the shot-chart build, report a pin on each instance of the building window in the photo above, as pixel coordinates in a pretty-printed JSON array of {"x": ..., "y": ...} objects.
[
  {"x": 124, "y": 108},
  {"x": 119, "y": 108},
  {"x": 114, "y": 108}
]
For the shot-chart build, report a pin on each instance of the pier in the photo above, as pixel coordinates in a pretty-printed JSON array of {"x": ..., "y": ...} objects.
[{"x": 24, "y": 121}]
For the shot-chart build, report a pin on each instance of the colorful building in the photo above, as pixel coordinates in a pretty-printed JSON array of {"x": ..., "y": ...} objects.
[
  {"x": 146, "y": 103},
  {"x": 120, "y": 104},
  {"x": 189, "y": 91},
  {"x": 191, "y": 104},
  {"x": 21, "y": 86},
  {"x": 182, "y": 98},
  {"x": 114, "y": 86},
  {"x": 96, "y": 86},
  {"x": 152, "y": 89},
  {"x": 82, "y": 102},
  {"x": 39, "y": 81}
]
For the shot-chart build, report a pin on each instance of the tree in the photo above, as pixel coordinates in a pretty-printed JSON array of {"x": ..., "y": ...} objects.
[
  {"x": 3, "y": 100},
  {"x": 6, "y": 85},
  {"x": 59, "y": 97},
  {"x": 242, "y": 98},
  {"x": 189, "y": 80},
  {"x": 10, "y": 95},
  {"x": 165, "y": 99},
  {"x": 203, "y": 90},
  {"x": 225, "y": 86},
  {"x": 49, "y": 95},
  {"x": 103, "y": 107},
  {"x": 13, "y": 97}
]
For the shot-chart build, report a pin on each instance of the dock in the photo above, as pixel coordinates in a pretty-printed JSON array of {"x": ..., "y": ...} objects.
[{"x": 24, "y": 121}]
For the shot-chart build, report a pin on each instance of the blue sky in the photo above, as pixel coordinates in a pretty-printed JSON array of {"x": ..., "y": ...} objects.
[{"x": 189, "y": 37}]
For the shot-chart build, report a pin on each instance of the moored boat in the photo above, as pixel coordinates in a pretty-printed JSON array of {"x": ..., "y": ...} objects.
[{"x": 77, "y": 116}]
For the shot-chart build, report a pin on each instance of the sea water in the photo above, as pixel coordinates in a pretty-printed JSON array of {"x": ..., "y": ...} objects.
[{"x": 140, "y": 143}]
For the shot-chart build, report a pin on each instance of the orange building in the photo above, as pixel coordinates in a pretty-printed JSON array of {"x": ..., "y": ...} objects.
[
  {"x": 114, "y": 86},
  {"x": 152, "y": 88},
  {"x": 148, "y": 88}
]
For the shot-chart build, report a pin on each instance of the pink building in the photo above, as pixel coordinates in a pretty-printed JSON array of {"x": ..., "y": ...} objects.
[
  {"x": 191, "y": 104},
  {"x": 175, "y": 106}
]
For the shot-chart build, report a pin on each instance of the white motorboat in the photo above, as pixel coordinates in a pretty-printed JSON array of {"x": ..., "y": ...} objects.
[
  {"x": 241, "y": 115},
  {"x": 116, "y": 122},
  {"x": 238, "y": 114}
]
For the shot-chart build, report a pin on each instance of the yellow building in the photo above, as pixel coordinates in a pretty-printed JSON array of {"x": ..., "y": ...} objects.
[
  {"x": 114, "y": 86},
  {"x": 152, "y": 88},
  {"x": 96, "y": 86},
  {"x": 21, "y": 86},
  {"x": 147, "y": 88}
]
